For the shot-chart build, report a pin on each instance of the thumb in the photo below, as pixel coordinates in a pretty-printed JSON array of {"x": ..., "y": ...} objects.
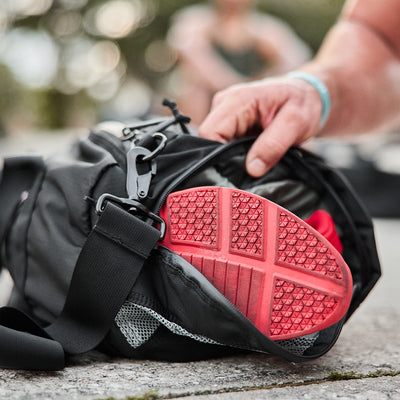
[
  {"x": 271, "y": 145},
  {"x": 263, "y": 155}
]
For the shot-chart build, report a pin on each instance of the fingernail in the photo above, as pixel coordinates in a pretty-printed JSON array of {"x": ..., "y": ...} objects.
[{"x": 257, "y": 167}]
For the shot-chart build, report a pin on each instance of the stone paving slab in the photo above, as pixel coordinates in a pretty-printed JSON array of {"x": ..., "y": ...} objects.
[
  {"x": 369, "y": 346},
  {"x": 387, "y": 388}
]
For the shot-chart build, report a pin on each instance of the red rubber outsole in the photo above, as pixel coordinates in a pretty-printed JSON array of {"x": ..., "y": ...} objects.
[{"x": 276, "y": 269}]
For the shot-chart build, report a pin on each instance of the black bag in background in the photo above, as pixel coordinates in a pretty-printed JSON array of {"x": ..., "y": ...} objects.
[{"x": 85, "y": 281}]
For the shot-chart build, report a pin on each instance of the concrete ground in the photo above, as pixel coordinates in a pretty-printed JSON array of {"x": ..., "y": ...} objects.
[{"x": 364, "y": 363}]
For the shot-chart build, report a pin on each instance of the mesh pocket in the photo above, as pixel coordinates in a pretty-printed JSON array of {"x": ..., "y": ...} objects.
[
  {"x": 138, "y": 324},
  {"x": 299, "y": 345}
]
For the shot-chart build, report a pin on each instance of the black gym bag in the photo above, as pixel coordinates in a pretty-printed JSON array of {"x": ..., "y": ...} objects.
[{"x": 79, "y": 234}]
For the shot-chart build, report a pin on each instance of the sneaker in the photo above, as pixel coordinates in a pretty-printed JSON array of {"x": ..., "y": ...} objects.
[
  {"x": 322, "y": 222},
  {"x": 281, "y": 273}
]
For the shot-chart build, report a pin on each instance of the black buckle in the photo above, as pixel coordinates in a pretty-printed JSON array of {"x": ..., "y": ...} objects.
[{"x": 134, "y": 207}]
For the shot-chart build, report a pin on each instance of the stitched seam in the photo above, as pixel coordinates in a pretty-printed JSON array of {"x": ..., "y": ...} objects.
[{"x": 118, "y": 240}]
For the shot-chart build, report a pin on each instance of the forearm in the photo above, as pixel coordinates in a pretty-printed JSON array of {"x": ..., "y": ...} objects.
[{"x": 362, "y": 73}]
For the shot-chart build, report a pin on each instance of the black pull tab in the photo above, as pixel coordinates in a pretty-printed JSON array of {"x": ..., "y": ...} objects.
[
  {"x": 139, "y": 172},
  {"x": 159, "y": 125},
  {"x": 181, "y": 119}
]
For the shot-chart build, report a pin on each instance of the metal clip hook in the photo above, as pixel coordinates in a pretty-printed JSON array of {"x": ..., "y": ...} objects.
[
  {"x": 138, "y": 182},
  {"x": 159, "y": 148}
]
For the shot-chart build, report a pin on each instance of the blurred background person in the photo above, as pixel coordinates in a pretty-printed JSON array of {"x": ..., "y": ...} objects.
[
  {"x": 227, "y": 42},
  {"x": 67, "y": 64}
]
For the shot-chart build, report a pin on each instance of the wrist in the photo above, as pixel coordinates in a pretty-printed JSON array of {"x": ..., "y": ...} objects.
[{"x": 320, "y": 87}]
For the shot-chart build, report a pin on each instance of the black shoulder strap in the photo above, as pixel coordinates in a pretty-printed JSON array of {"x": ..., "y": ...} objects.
[{"x": 107, "y": 268}]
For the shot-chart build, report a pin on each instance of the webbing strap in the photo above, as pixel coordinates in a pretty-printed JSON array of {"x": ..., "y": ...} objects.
[
  {"x": 108, "y": 266},
  {"x": 24, "y": 345}
]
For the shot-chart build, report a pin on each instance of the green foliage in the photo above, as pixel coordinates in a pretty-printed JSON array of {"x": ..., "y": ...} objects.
[
  {"x": 152, "y": 395},
  {"x": 311, "y": 19},
  {"x": 345, "y": 376}
]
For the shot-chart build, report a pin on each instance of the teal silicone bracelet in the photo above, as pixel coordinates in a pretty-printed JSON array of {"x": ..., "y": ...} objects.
[{"x": 321, "y": 89}]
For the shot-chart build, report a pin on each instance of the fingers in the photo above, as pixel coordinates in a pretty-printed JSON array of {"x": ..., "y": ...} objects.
[
  {"x": 296, "y": 121},
  {"x": 233, "y": 113},
  {"x": 283, "y": 132},
  {"x": 288, "y": 110},
  {"x": 219, "y": 125}
]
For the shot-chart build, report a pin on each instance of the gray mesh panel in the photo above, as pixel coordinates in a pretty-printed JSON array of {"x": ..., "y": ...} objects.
[
  {"x": 299, "y": 345},
  {"x": 135, "y": 324},
  {"x": 138, "y": 323}
]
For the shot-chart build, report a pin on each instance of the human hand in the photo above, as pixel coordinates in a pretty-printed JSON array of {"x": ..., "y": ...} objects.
[{"x": 283, "y": 111}]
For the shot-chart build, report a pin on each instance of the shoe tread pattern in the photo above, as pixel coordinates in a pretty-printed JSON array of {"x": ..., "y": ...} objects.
[
  {"x": 280, "y": 273},
  {"x": 300, "y": 248}
]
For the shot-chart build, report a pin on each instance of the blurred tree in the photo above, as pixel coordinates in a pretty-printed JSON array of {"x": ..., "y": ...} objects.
[
  {"x": 311, "y": 19},
  {"x": 78, "y": 61}
]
